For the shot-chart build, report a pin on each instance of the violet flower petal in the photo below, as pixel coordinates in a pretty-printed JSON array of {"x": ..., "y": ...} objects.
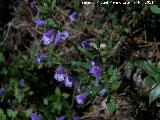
[
  {"x": 61, "y": 118},
  {"x": 76, "y": 118},
  {"x": 39, "y": 23},
  {"x": 96, "y": 71},
  {"x": 2, "y": 91},
  {"x": 64, "y": 35},
  {"x": 34, "y": 116},
  {"x": 85, "y": 44},
  {"x": 72, "y": 16},
  {"x": 81, "y": 98},
  {"x": 103, "y": 91}
]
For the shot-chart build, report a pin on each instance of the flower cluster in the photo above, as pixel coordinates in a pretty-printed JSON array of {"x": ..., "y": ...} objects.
[
  {"x": 61, "y": 76},
  {"x": 53, "y": 37},
  {"x": 48, "y": 37}
]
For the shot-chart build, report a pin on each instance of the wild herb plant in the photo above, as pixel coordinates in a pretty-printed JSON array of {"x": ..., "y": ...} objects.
[{"x": 86, "y": 74}]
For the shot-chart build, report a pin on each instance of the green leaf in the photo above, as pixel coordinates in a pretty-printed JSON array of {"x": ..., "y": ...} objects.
[
  {"x": 53, "y": 4},
  {"x": 3, "y": 71},
  {"x": 76, "y": 4},
  {"x": 45, "y": 101},
  {"x": 148, "y": 81},
  {"x": 58, "y": 106},
  {"x": 52, "y": 23},
  {"x": 109, "y": 45},
  {"x": 57, "y": 92},
  {"x": 2, "y": 58},
  {"x": 65, "y": 95},
  {"x": 94, "y": 90},
  {"x": 28, "y": 112},
  {"x": 111, "y": 105},
  {"x": 150, "y": 69},
  {"x": 2, "y": 115},
  {"x": 85, "y": 52},
  {"x": 154, "y": 94},
  {"x": 115, "y": 85},
  {"x": 155, "y": 9},
  {"x": 11, "y": 113},
  {"x": 98, "y": 44}
]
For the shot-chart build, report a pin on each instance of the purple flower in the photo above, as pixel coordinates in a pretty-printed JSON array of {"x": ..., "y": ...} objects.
[
  {"x": 68, "y": 82},
  {"x": 47, "y": 37},
  {"x": 58, "y": 38},
  {"x": 33, "y": 3},
  {"x": 61, "y": 36},
  {"x": 96, "y": 71},
  {"x": 76, "y": 118},
  {"x": 2, "y": 91},
  {"x": 40, "y": 57},
  {"x": 40, "y": 23},
  {"x": 72, "y": 16},
  {"x": 85, "y": 44},
  {"x": 61, "y": 118},
  {"x": 103, "y": 91},
  {"x": 48, "y": 33},
  {"x": 22, "y": 83},
  {"x": 78, "y": 89},
  {"x": 46, "y": 40},
  {"x": 81, "y": 98},
  {"x": 34, "y": 116},
  {"x": 95, "y": 83},
  {"x": 60, "y": 74},
  {"x": 64, "y": 35}
]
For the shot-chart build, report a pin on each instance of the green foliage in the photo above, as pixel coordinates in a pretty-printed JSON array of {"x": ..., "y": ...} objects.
[
  {"x": 54, "y": 57},
  {"x": 155, "y": 9},
  {"x": 154, "y": 93},
  {"x": 109, "y": 45},
  {"x": 52, "y": 23},
  {"x": 56, "y": 104},
  {"x": 28, "y": 112},
  {"x": 148, "y": 81},
  {"x": 2, "y": 115},
  {"x": 98, "y": 43},
  {"x": 152, "y": 80},
  {"x": 85, "y": 52},
  {"x": 11, "y": 113},
  {"x": 111, "y": 105},
  {"x": 53, "y": 4},
  {"x": 2, "y": 58}
]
